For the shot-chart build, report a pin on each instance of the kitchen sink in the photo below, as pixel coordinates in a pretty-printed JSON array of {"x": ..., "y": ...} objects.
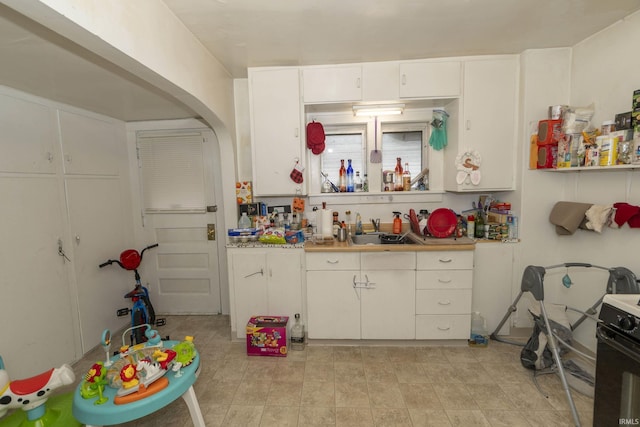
[{"x": 378, "y": 239}]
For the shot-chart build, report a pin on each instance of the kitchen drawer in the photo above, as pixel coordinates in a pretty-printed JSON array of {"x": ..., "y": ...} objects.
[
  {"x": 333, "y": 261},
  {"x": 445, "y": 260},
  {"x": 444, "y": 279},
  {"x": 443, "y": 327},
  {"x": 388, "y": 260},
  {"x": 443, "y": 301}
]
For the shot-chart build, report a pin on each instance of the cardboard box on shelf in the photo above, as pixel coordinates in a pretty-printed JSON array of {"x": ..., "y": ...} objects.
[{"x": 268, "y": 336}]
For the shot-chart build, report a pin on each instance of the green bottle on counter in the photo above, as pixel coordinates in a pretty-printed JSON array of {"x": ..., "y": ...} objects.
[{"x": 479, "y": 232}]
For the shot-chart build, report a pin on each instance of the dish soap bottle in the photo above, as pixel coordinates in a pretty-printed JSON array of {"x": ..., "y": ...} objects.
[
  {"x": 244, "y": 221},
  {"x": 297, "y": 334},
  {"x": 397, "y": 223}
]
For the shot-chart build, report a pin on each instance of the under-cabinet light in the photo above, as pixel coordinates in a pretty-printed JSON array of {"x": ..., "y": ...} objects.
[{"x": 378, "y": 110}]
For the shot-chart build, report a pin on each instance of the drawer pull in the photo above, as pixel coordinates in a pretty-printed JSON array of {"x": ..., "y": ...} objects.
[
  {"x": 444, "y": 328},
  {"x": 335, "y": 261},
  {"x": 445, "y": 260},
  {"x": 445, "y": 302},
  {"x": 448, "y": 280}
]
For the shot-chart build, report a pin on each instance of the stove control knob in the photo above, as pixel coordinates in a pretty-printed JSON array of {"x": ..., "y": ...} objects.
[{"x": 627, "y": 323}]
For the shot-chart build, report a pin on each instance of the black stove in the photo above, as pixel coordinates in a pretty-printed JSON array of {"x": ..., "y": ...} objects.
[
  {"x": 621, "y": 312},
  {"x": 617, "y": 390}
]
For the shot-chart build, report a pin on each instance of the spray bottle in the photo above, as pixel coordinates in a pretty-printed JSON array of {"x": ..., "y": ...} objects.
[{"x": 397, "y": 223}]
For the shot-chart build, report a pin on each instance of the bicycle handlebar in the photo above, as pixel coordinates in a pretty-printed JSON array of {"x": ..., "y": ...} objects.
[{"x": 111, "y": 261}]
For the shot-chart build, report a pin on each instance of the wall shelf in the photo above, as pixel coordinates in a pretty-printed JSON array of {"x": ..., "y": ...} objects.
[
  {"x": 594, "y": 168},
  {"x": 376, "y": 197}
]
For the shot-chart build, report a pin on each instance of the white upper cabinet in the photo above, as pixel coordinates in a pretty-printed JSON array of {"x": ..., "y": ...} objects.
[
  {"x": 380, "y": 81},
  {"x": 89, "y": 145},
  {"x": 430, "y": 79},
  {"x": 28, "y": 133},
  {"x": 332, "y": 84},
  {"x": 487, "y": 125},
  {"x": 276, "y": 133}
]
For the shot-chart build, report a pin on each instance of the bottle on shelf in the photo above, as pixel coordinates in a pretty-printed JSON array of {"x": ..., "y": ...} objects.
[
  {"x": 350, "y": 179},
  {"x": 342, "y": 180},
  {"x": 357, "y": 183},
  {"x": 244, "y": 221},
  {"x": 397, "y": 178},
  {"x": 406, "y": 178},
  {"x": 365, "y": 184},
  {"x": 297, "y": 333}
]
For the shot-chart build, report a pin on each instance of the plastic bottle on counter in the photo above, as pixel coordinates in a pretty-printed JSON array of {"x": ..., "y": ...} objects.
[
  {"x": 471, "y": 226},
  {"x": 479, "y": 334},
  {"x": 479, "y": 228},
  {"x": 297, "y": 333},
  {"x": 358, "y": 224},
  {"x": 397, "y": 223},
  {"x": 244, "y": 221}
]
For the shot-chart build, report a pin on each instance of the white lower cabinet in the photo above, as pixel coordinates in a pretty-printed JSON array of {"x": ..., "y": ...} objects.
[
  {"x": 264, "y": 282},
  {"x": 333, "y": 305},
  {"x": 361, "y": 295},
  {"x": 443, "y": 294}
]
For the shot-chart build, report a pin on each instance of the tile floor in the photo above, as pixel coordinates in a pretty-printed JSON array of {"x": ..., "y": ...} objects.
[{"x": 360, "y": 385}]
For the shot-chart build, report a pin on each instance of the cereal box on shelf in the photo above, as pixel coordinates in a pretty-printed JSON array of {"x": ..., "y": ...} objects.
[{"x": 244, "y": 193}]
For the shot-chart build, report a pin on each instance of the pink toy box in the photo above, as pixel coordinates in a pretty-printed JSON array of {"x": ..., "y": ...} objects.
[{"x": 267, "y": 336}]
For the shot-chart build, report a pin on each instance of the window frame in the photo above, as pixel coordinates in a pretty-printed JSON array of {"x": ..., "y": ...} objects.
[{"x": 411, "y": 120}]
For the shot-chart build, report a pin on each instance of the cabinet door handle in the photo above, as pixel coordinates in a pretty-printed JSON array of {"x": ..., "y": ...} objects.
[
  {"x": 468, "y": 125},
  {"x": 358, "y": 82},
  {"x": 404, "y": 79},
  {"x": 444, "y": 328},
  {"x": 445, "y": 302},
  {"x": 447, "y": 280},
  {"x": 355, "y": 287},
  {"x": 336, "y": 261},
  {"x": 296, "y": 132},
  {"x": 261, "y": 272},
  {"x": 445, "y": 260}
]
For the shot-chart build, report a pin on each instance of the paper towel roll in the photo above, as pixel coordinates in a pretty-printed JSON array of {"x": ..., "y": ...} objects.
[{"x": 327, "y": 223}]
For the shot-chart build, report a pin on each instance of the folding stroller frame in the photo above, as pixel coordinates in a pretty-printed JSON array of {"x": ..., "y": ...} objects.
[{"x": 621, "y": 281}]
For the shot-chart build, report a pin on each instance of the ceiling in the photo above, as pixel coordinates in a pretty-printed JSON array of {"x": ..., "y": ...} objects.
[{"x": 250, "y": 33}]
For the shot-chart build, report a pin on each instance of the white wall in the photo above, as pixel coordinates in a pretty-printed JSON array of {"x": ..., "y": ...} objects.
[{"x": 603, "y": 70}]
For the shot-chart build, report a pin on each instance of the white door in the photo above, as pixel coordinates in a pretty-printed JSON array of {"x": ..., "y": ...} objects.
[{"x": 179, "y": 213}]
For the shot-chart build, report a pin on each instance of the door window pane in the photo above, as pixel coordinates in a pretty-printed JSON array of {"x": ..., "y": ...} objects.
[{"x": 172, "y": 172}]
